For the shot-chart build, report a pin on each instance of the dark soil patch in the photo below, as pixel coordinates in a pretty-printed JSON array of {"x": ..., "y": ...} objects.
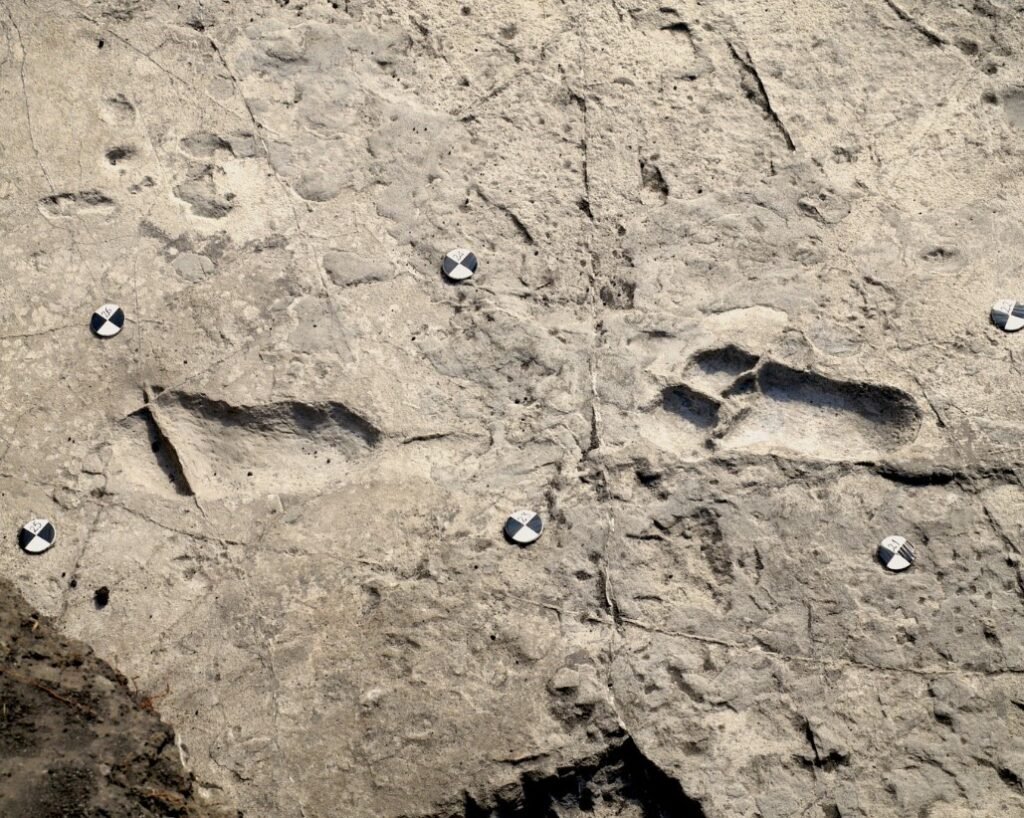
[{"x": 75, "y": 741}]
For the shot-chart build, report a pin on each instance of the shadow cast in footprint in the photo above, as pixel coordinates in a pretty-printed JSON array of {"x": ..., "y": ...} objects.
[
  {"x": 695, "y": 408},
  {"x": 714, "y": 370}
]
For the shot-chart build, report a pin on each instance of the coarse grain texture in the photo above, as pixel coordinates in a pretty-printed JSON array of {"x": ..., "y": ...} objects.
[{"x": 729, "y": 330}]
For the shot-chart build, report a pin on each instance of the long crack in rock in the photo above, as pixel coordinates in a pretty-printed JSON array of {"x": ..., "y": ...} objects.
[{"x": 729, "y": 330}]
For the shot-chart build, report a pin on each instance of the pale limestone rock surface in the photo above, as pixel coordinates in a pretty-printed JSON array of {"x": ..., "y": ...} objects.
[{"x": 729, "y": 330}]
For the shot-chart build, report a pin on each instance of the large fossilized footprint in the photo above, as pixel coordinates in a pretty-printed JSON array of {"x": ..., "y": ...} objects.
[
  {"x": 192, "y": 444},
  {"x": 738, "y": 402}
]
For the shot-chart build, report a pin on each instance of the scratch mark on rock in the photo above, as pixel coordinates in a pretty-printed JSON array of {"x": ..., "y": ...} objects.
[
  {"x": 521, "y": 228},
  {"x": 920, "y": 28},
  {"x": 759, "y": 94}
]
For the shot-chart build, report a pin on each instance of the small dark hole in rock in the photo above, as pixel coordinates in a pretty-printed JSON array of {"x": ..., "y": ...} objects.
[
  {"x": 647, "y": 477},
  {"x": 100, "y": 597}
]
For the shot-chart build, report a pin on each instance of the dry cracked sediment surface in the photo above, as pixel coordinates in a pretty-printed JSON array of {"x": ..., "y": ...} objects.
[{"x": 729, "y": 331}]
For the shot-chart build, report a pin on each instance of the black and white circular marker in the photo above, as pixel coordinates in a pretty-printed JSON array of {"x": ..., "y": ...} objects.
[
  {"x": 459, "y": 265},
  {"x": 524, "y": 527},
  {"x": 1008, "y": 315},
  {"x": 107, "y": 321},
  {"x": 36, "y": 536},
  {"x": 896, "y": 554}
]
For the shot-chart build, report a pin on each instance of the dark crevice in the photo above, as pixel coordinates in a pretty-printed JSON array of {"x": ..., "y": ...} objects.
[
  {"x": 729, "y": 360},
  {"x": 595, "y": 434},
  {"x": 119, "y": 154},
  {"x": 1011, "y": 779},
  {"x": 620, "y": 778},
  {"x": 646, "y": 537},
  {"x": 924, "y": 31},
  {"x": 618, "y": 294},
  {"x": 690, "y": 405},
  {"x": 425, "y": 438},
  {"x": 282, "y": 418},
  {"x": 165, "y": 453},
  {"x": 653, "y": 179},
  {"x": 909, "y": 477},
  {"x": 581, "y": 103},
  {"x": 757, "y": 93},
  {"x": 827, "y": 762},
  {"x": 68, "y": 203},
  {"x": 521, "y": 228},
  {"x": 940, "y": 253},
  {"x": 204, "y": 144},
  {"x": 647, "y": 475}
]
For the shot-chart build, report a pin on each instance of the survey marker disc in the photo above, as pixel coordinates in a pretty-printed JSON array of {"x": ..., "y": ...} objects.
[
  {"x": 107, "y": 321},
  {"x": 1008, "y": 315},
  {"x": 524, "y": 527},
  {"x": 896, "y": 554},
  {"x": 37, "y": 536},
  {"x": 459, "y": 264}
]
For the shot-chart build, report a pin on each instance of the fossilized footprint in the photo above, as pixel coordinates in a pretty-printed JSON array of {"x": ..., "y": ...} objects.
[
  {"x": 734, "y": 400},
  {"x": 191, "y": 444}
]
